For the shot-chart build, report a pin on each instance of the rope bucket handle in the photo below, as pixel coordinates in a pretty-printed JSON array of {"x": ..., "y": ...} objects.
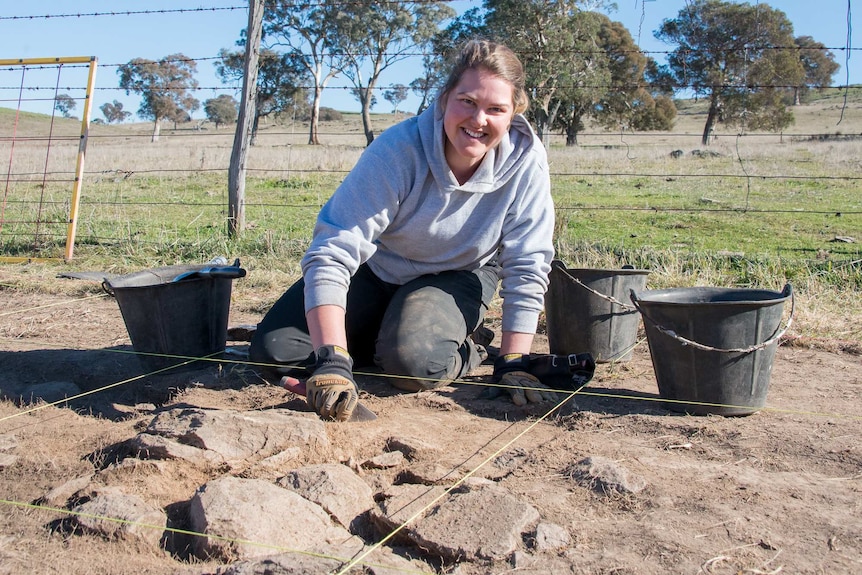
[
  {"x": 779, "y": 332},
  {"x": 611, "y": 299}
]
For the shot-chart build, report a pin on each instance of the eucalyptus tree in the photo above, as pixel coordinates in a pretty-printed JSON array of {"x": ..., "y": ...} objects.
[
  {"x": 819, "y": 65},
  {"x": 395, "y": 95},
  {"x": 630, "y": 101},
  {"x": 740, "y": 57},
  {"x": 221, "y": 110},
  {"x": 64, "y": 103},
  {"x": 556, "y": 42},
  {"x": 280, "y": 81},
  {"x": 372, "y": 36},
  {"x": 587, "y": 78},
  {"x": 307, "y": 30},
  {"x": 441, "y": 49},
  {"x": 114, "y": 112},
  {"x": 165, "y": 87}
]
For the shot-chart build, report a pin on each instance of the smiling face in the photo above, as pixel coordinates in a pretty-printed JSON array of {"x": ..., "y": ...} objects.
[{"x": 477, "y": 115}]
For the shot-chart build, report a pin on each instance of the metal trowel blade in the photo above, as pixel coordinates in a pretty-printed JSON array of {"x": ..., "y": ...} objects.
[{"x": 362, "y": 413}]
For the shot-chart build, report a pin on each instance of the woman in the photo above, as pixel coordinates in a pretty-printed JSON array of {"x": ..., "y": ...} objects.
[{"x": 407, "y": 253}]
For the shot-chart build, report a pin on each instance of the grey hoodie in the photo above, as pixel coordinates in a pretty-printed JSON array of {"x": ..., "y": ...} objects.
[{"x": 402, "y": 210}]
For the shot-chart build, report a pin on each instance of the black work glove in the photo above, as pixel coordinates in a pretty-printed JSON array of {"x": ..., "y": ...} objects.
[
  {"x": 571, "y": 371},
  {"x": 331, "y": 390},
  {"x": 512, "y": 372}
]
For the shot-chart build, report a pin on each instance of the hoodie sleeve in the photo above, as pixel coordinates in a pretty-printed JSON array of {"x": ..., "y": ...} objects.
[
  {"x": 348, "y": 225},
  {"x": 526, "y": 250}
]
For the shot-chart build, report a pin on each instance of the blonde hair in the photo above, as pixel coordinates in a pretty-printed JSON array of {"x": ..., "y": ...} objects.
[{"x": 497, "y": 59}]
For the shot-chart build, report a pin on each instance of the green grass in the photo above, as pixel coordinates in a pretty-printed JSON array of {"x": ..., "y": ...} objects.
[
  {"x": 763, "y": 212},
  {"x": 151, "y": 220}
]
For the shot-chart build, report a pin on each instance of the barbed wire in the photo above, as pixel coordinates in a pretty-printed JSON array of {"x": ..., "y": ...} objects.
[
  {"x": 316, "y": 206},
  {"x": 21, "y": 177},
  {"x": 244, "y": 7},
  {"x": 205, "y": 133},
  {"x": 122, "y": 13},
  {"x": 565, "y": 52},
  {"x": 607, "y": 87}
]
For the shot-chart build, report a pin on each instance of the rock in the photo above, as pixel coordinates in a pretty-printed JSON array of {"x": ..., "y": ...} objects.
[
  {"x": 400, "y": 502},
  {"x": 521, "y": 560},
  {"x": 482, "y": 523},
  {"x": 511, "y": 460},
  {"x": 428, "y": 473},
  {"x": 411, "y": 447},
  {"x": 329, "y": 559},
  {"x": 605, "y": 475},
  {"x": 283, "y": 564},
  {"x": 60, "y": 495},
  {"x": 677, "y": 154},
  {"x": 245, "y": 518},
  {"x": 236, "y": 437},
  {"x": 279, "y": 462},
  {"x": 8, "y": 442},
  {"x": 118, "y": 515},
  {"x": 384, "y": 460},
  {"x": 7, "y": 460},
  {"x": 337, "y": 489},
  {"x": 156, "y": 447},
  {"x": 551, "y": 537}
]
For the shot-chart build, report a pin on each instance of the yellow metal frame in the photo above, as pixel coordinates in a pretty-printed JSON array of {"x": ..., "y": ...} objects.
[{"x": 72, "y": 227}]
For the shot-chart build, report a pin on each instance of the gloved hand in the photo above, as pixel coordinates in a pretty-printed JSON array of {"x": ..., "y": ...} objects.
[
  {"x": 510, "y": 370},
  {"x": 331, "y": 390}
]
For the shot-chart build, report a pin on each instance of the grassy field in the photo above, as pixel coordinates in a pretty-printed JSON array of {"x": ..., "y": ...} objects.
[{"x": 748, "y": 210}]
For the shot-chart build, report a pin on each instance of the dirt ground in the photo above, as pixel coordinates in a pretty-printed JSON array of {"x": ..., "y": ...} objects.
[{"x": 774, "y": 492}]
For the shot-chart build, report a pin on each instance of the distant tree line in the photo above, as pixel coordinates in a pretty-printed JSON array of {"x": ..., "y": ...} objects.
[{"x": 581, "y": 65}]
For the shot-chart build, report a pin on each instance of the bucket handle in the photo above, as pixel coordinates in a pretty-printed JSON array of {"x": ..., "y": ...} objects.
[
  {"x": 107, "y": 288},
  {"x": 611, "y": 299},
  {"x": 787, "y": 291}
]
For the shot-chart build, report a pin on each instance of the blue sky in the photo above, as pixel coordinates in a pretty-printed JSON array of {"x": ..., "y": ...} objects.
[{"x": 117, "y": 39}]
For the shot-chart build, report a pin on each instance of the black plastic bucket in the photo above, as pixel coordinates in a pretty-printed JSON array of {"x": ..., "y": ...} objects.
[
  {"x": 712, "y": 346},
  {"x": 587, "y": 310},
  {"x": 175, "y": 313}
]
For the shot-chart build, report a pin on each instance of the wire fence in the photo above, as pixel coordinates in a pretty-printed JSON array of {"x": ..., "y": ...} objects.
[{"x": 807, "y": 173}]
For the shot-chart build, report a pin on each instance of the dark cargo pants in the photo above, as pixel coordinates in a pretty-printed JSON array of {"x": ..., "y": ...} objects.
[{"x": 417, "y": 332}]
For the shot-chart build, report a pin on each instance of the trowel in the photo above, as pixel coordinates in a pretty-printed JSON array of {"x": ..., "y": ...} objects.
[
  {"x": 360, "y": 412},
  {"x": 215, "y": 271}
]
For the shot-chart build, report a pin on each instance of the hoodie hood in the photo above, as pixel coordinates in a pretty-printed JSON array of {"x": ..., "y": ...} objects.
[{"x": 496, "y": 168}]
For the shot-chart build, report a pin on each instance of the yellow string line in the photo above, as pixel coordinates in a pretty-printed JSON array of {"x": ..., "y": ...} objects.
[
  {"x": 198, "y": 534},
  {"x": 55, "y": 304},
  {"x": 727, "y": 405},
  {"x": 91, "y": 392},
  {"x": 190, "y": 359},
  {"x": 448, "y": 490}
]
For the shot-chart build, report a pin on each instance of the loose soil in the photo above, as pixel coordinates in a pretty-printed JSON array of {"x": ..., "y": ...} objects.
[{"x": 773, "y": 492}]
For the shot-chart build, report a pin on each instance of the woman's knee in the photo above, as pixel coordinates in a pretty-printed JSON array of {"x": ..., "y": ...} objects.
[
  {"x": 420, "y": 338},
  {"x": 419, "y": 361}
]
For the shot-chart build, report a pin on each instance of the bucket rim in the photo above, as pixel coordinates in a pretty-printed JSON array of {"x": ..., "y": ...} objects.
[
  {"x": 561, "y": 265},
  {"x": 620, "y": 271},
  {"x": 168, "y": 275},
  {"x": 763, "y": 296}
]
